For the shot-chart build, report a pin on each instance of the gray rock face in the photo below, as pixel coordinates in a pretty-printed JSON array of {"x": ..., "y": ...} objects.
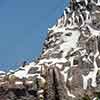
[
  {"x": 70, "y": 61},
  {"x": 78, "y": 39}
]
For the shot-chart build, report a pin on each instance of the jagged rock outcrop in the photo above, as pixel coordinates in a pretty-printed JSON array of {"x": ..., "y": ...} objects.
[
  {"x": 73, "y": 45},
  {"x": 69, "y": 66}
]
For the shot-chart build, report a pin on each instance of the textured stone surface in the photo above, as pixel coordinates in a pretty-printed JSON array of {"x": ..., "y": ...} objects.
[{"x": 69, "y": 66}]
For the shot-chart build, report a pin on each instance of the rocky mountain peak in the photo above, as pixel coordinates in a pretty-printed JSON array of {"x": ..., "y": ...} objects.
[
  {"x": 73, "y": 46},
  {"x": 69, "y": 66}
]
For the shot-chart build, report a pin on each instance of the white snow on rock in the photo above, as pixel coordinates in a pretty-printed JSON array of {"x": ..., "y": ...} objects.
[
  {"x": 18, "y": 83},
  {"x": 92, "y": 74},
  {"x": 52, "y": 61},
  {"x": 64, "y": 37},
  {"x": 69, "y": 42},
  {"x": 98, "y": 3},
  {"x": 69, "y": 94},
  {"x": 2, "y": 72},
  {"x": 23, "y": 71}
]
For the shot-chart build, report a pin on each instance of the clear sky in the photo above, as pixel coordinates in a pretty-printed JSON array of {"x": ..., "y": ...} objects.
[{"x": 23, "y": 28}]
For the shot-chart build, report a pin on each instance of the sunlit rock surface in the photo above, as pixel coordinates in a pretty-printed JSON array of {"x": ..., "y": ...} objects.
[{"x": 69, "y": 66}]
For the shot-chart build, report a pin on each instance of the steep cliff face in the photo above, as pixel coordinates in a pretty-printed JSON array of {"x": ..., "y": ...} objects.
[
  {"x": 69, "y": 66},
  {"x": 72, "y": 46}
]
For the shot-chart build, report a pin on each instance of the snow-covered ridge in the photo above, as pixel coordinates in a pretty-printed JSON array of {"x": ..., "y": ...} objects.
[
  {"x": 72, "y": 43},
  {"x": 2, "y": 72},
  {"x": 72, "y": 33}
]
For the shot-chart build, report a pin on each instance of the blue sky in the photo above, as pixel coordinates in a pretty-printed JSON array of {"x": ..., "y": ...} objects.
[{"x": 23, "y": 28}]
